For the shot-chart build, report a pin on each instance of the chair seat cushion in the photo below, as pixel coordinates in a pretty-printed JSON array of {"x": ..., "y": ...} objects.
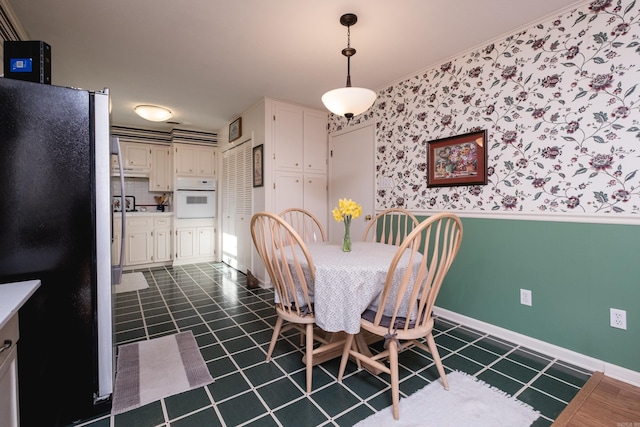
[{"x": 370, "y": 316}]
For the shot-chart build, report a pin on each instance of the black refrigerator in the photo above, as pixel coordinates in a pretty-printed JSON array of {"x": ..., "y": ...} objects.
[{"x": 55, "y": 225}]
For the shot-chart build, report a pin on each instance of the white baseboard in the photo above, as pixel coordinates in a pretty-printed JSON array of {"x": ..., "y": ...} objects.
[{"x": 570, "y": 356}]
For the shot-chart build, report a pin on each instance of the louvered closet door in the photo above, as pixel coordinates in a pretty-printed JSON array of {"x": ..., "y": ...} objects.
[{"x": 237, "y": 206}]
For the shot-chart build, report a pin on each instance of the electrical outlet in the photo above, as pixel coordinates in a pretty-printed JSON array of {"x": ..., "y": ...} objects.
[
  {"x": 618, "y": 318},
  {"x": 525, "y": 297}
]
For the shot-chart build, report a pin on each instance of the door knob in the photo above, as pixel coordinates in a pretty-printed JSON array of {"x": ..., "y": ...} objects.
[{"x": 367, "y": 218}]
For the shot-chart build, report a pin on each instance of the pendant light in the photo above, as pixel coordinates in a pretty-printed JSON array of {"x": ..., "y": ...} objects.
[{"x": 349, "y": 101}]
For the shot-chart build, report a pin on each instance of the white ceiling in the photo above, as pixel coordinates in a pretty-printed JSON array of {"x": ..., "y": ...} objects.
[{"x": 210, "y": 60}]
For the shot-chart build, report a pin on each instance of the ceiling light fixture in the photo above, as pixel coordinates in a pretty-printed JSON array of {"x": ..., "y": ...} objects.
[
  {"x": 153, "y": 113},
  {"x": 349, "y": 101}
]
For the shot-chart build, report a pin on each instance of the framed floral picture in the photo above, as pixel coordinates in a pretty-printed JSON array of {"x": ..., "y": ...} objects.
[
  {"x": 458, "y": 160},
  {"x": 235, "y": 129},
  {"x": 258, "y": 166}
]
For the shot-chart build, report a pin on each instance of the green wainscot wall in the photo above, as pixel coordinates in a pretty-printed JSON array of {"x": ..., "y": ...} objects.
[{"x": 576, "y": 272}]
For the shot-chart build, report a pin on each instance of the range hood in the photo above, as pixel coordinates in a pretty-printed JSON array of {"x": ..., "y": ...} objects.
[{"x": 133, "y": 172}]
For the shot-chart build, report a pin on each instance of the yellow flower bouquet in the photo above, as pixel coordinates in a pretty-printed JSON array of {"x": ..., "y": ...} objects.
[{"x": 345, "y": 211}]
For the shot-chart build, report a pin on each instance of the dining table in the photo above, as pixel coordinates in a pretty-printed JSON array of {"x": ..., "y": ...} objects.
[{"x": 348, "y": 283}]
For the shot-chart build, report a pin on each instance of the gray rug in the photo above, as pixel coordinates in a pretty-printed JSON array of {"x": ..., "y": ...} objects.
[
  {"x": 154, "y": 369},
  {"x": 468, "y": 402},
  {"x": 131, "y": 282}
]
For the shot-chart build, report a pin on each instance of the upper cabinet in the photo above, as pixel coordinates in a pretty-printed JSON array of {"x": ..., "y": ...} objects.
[
  {"x": 300, "y": 137},
  {"x": 315, "y": 141},
  {"x": 160, "y": 177},
  {"x": 136, "y": 159},
  {"x": 194, "y": 160}
]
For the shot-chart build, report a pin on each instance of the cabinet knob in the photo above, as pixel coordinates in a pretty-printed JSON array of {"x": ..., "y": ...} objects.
[{"x": 296, "y": 164}]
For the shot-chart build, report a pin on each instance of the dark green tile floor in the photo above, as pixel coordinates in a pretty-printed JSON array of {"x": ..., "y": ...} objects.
[{"x": 233, "y": 326}]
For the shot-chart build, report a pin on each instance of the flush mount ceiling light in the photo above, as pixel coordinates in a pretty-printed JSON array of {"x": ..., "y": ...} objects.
[
  {"x": 349, "y": 101},
  {"x": 153, "y": 113}
]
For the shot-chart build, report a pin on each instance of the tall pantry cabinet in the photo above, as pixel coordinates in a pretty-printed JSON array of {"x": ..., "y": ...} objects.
[
  {"x": 294, "y": 143},
  {"x": 300, "y": 159}
]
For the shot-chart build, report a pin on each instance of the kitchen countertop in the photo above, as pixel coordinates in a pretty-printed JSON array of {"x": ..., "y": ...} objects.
[
  {"x": 147, "y": 213},
  {"x": 13, "y": 296}
]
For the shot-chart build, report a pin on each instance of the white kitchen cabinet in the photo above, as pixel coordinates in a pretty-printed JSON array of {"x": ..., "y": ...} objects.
[
  {"x": 138, "y": 247},
  {"x": 185, "y": 247},
  {"x": 137, "y": 155},
  {"x": 162, "y": 248},
  {"x": 205, "y": 241},
  {"x": 288, "y": 128},
  {"x": 194, "y": 160},
  {"x": 300, "y": 160},
  {"x": 148, "y": 240},
  {"x": 160, "y": 177},
  {"x": 9, "y": 407},
  {"x": 195, "y": 241},
  {"x": 315, "y": 142},
  {"x": 302, "y": 190},
  {"x": 136, "y": 159}
]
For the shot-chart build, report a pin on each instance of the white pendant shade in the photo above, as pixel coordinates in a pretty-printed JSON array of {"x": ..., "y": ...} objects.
[
  {"x": 153, "y": 113},
  {"x": 349, "y": 100}
]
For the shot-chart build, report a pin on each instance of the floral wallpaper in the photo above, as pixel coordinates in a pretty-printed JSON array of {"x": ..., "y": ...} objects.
[{"x": 560, "y": 103}]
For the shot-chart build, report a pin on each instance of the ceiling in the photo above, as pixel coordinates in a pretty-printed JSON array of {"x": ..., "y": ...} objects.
[{"x": 210, "y": 60}]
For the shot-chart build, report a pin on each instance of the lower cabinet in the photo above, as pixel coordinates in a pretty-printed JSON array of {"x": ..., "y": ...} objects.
[
  {"x": 9, "y": 412},
  {"x": 148, "y": 240},
  {"x": 195, "y": 241}
]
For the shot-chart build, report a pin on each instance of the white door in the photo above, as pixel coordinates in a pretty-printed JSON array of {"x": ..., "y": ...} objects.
[{"x": 352, "y": 179}]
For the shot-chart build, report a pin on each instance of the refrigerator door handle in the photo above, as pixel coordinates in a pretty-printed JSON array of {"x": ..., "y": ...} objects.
[{"x": 117, "y": 269}]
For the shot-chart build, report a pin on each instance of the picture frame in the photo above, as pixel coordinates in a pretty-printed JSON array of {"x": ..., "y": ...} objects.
[
  {"x": 235, "y": 129},
  {"x": 258, "y": 165},
  {"x": 458, "y": 160},
  {"x": 130, "y": 204}
]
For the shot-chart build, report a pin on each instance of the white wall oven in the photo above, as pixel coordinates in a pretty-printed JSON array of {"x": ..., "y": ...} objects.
[{"x": 195, "y": 198}]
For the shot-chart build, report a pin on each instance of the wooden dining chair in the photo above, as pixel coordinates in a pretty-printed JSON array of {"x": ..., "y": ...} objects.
[
  {"x": 408, "y": 301},
  {"x": 390, "y": 226},
  {"x": 291, "y": 270},
  {"x": 305, "y": 224}
]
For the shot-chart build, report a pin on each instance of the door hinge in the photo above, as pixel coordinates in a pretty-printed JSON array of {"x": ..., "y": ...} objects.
[
  {"x": 274, "y": 185},
  {"x": 331, "y": 153},
  {"x": 274, "y": 117}
]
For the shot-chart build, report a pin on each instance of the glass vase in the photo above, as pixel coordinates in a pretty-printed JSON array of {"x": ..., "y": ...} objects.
[{"x": 346, "y": 242}]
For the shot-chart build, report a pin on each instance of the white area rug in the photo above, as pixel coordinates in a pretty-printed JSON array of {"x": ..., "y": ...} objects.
[
  {"x": 151, "y": 370},
  {"x": 468, "y": 402},
  {"x": 131, "y": 282}
]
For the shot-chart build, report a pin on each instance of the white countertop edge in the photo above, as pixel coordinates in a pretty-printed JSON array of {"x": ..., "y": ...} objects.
[
  {"x": 147, "y": 213},
  {"x": 13, "y": 296}
]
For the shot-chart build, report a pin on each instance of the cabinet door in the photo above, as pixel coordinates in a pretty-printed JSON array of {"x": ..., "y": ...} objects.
[
  {"x": 136, "y": 155},
  {"x": 185, "y": 159},
  {"x": 315, "y": 142},
  {"x": 162, "y": 244},
  {"x": 205, "y": 241},
  {"x": 289, "y": 191},
  {"x": 160, "y": 177},
  {"x": 185, "y": 243},
  {"x": 139, "y": 249},
  {"x": 288, "y": 137},
  {"x": 9, "y": 390},
  {"x": 315, "y": 197},
  {"x": 206, "y": 162}
]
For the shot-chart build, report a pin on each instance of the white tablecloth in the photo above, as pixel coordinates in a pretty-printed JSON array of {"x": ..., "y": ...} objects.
[{"x": 347, "y": 283}]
